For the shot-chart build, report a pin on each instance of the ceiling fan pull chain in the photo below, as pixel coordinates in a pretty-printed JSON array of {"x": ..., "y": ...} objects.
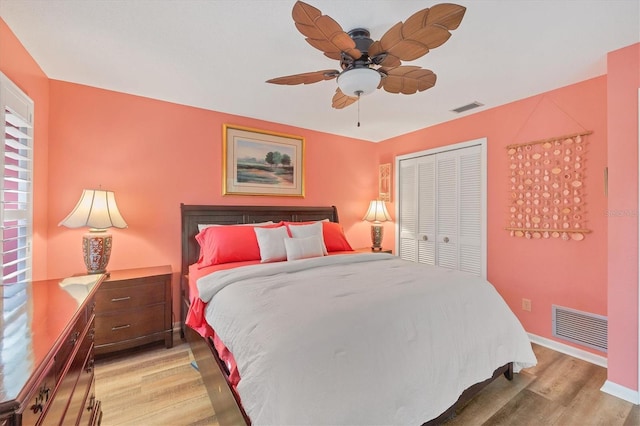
[{"x": 358, "y": 93}]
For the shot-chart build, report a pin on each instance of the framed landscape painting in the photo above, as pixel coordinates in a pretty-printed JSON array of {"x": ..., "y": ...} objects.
[{"x": 257, "y": 162}]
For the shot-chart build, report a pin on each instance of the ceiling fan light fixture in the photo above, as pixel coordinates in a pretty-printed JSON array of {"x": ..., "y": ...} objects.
[{"x": 358, "y": 81}]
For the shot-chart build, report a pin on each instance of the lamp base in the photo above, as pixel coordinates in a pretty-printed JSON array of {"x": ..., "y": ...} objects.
[
  {"x": 96, "y": 250},
  {"x": 376, "y": 237}
]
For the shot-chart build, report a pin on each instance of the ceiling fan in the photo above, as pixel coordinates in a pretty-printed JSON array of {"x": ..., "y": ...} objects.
[{"x": 368, "y": 65}]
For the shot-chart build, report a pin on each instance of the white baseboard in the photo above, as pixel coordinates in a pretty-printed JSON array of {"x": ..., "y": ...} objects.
[
  {"x": 569, "y": 350},
  {"x": 621, "y": 392}
]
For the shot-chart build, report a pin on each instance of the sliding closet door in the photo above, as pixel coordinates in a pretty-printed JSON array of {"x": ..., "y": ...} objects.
[{"x": 441, "y": 208}]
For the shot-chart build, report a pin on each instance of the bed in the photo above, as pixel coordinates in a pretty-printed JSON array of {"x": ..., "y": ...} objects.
[{"x": 386, "y": 367}]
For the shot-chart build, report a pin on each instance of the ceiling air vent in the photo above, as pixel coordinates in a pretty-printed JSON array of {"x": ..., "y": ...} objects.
[{"x": 467, "y": 107}]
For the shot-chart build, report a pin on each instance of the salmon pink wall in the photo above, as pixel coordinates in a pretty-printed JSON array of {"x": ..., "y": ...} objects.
[
  {"x": 19, "y": 67},
  {"x": 156, "y": 155},
  {"x": 546, "y": 271},
  {"x": 623, "y": 68}
]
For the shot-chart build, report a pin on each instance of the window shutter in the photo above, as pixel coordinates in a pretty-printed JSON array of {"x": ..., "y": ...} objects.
[
  {"x": 16, "y": 186},
  {"x": 16, "y": 161}
]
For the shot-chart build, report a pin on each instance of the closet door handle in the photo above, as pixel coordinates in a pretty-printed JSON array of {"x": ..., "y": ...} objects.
[
  {"x": 445, "y": 239},
  {"x": 425, "y": 238}
]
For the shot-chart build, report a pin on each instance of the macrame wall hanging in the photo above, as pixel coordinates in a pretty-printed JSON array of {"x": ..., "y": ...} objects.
[{"x": 547, "y": 188}]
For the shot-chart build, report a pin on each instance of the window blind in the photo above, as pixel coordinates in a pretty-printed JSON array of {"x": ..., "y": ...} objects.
[
  {"x": 16, "y": 215},
  {"x": 16, "y": 186}
]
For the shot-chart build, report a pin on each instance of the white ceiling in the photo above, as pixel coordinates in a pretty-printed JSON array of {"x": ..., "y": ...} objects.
[{"x": 217, "y": 54}]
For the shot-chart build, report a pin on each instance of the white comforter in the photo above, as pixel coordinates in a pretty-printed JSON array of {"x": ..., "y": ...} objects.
[{"x": 359, "y": 339}]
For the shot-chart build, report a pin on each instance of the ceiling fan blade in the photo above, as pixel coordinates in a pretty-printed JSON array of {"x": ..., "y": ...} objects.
[
  {"x": 424, "y": 30},
  {"x": 407, "y": 79},
  {"x": 305, "y": 78},
  {"x": 323, "y": 32},
  {"x": 340, "y": 100},
  {"x": 446, "y": 14}
]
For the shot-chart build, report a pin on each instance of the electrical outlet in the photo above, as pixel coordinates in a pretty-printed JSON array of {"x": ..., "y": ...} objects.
[{"x": 526, "y": 305}]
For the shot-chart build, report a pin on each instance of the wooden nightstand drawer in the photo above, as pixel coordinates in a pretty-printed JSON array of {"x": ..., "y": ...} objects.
[
  {"x": 116, "y": 327},
  {"x": 133, "y": 308},
  {"x": 128, "y": 297}
]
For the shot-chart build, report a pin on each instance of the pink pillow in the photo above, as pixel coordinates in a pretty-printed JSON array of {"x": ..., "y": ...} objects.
[
  {"x": 226, "y": 244},
  {"x": 334, "y": 238}
]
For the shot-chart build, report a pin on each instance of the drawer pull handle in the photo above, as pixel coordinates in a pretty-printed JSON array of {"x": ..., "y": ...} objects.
[
  {"x": 74, "y": 338},
  {"x": 120, "y": 327},
  {"x": 89, "y": 366},
  {"x": 120, "y": 299},
  {"x": 92, "y": 403},
  {"x": 41, "y": 399}
]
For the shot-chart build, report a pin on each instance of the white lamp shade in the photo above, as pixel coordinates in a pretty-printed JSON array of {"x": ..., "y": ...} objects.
[
  {"x": 96, "y": 209},
  {"x": 358, "y": 81},
  {"x": 377, "y": 212}
]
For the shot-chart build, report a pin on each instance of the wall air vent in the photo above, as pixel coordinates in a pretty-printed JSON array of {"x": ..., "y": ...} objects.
[
  {"x": 582, "y": 328},
  {"x": 467, "y": 107}
]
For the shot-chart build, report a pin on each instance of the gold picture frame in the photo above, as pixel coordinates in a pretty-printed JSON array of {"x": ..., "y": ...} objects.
[
  {"x": 259, "y": 162},
  {"x": 384, "y": 182}
]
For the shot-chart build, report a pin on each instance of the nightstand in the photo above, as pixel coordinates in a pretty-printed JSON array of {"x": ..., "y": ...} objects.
[
  {"x": 368, "y": 250},
  {"x": 133, "y": 308}
]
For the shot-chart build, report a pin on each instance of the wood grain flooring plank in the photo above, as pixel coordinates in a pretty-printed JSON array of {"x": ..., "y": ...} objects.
[
  {"x": 633, "y": 419},
  {"x": 488, "y": 402},
  {"x": 527, "y": 408},
  {"x": 562, "y": 380},
  {"x": 592, "y": 407}
]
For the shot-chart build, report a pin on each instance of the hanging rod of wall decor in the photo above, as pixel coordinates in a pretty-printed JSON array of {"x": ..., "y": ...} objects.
[
  {"x": 518, "y": 145},
  {"x": 568, "y": 231}
]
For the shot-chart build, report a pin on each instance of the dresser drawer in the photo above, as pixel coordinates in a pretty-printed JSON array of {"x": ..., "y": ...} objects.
[
  {"x": 115, "y": 298},
  {"x": 91, "y": 413},
  {"x": 39, "y": 402},
  {"x": 119, "y": 326},
  {"x": 69, "y": 345},
  {"x": 76, "y": 403},
  {"x": 67, "y": 385}
]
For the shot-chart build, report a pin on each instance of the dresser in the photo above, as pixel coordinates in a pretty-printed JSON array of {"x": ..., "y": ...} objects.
[
  {"x": 134, "y": 308},
  {"x": 47, "y": 352}
]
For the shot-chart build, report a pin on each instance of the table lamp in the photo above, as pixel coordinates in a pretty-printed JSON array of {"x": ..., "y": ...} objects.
[
  {"x": 97, "y": 210},
  {"x": 377, "y": 214}
]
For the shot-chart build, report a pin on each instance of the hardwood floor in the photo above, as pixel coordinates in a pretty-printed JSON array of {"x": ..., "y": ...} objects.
[
  {"x": 159, "y": 386},
  {"x": 154, "y": 386}
]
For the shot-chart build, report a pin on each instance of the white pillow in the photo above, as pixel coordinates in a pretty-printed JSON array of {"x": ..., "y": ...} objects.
[
  {"x": 202, "y": 226},
  {"x": 303, "y": 231},
  {"x": 303, "y": 248},
  {"x": 271, "y": 242}
]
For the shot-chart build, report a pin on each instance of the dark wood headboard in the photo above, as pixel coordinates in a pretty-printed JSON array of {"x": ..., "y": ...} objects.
[{"x": 192, "y": 215}]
